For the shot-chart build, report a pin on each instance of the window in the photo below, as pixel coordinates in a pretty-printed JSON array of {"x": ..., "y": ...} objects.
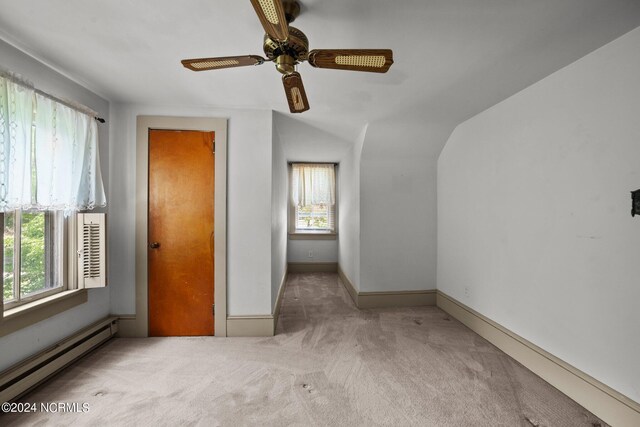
[
  {"x": 313, "y": 198},
  {"x": 49, "y": 168},
  {"x": 49, "y": 158},
  {"x": 33, "y": 245}
]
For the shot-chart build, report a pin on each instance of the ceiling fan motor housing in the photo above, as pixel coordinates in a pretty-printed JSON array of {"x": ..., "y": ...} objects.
[
  {"x": 287, "y": 46},
  {"x": 296, "y": 47},
  {"x": 285, "y": 64},
  {"x": 291, "y": 9}
]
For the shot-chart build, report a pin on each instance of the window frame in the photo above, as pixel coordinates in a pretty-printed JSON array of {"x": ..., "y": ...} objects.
[
  {"x": 53, "y": 238},
  {"x": 310, "y": 234},
  {"x": 22, "y": 316}
]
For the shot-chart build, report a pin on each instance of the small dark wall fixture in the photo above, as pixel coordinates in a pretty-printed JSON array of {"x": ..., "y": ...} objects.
[{"x": 635, "y": 203}]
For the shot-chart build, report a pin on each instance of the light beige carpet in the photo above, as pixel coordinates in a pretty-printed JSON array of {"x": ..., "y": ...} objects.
[{"x": 330, "y": 364}]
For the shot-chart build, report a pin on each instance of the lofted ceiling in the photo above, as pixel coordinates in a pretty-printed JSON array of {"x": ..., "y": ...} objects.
[{"x": 453, "y": 58}]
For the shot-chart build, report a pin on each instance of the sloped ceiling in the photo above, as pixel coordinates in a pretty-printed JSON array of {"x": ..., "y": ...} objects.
[{"x": 453, "y": 58}]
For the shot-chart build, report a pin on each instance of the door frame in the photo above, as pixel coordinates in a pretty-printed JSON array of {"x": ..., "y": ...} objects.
[{"x": 139, "y": 326}]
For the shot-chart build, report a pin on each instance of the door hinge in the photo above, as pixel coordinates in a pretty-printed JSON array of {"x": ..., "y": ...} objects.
[
  {"x": 213, "y": 145},
  {"x": 213, "y": 309}
]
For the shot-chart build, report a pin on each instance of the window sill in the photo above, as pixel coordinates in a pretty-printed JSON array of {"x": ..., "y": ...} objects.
[
  {"x": 39, "y": 310},
  {"x": 311, "y": 235}
]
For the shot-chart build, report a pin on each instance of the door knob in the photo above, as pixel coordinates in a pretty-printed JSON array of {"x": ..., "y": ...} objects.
[{"x": 154, "y": 245}]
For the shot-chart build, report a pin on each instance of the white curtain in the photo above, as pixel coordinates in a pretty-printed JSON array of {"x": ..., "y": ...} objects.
[
  {"x": 48, "y": 153},
  {"x": 313, "y": 184}
]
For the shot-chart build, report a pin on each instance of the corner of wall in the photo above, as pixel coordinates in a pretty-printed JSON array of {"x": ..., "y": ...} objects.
[
  {"x": 279, "y": 241},
  {"x": 349, "y": 211}
]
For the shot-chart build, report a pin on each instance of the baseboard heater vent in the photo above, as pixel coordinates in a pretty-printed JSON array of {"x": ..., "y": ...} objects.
[{"x": 19, "y": 379}]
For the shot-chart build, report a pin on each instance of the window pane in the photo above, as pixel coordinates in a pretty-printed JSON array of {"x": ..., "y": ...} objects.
[
  {"x": 312, "y": 217},
  {"x": 9, "y": 233},
  {"x": 33, "y": 268}
]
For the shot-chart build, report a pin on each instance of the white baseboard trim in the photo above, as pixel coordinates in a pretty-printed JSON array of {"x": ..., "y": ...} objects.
[
  {"x": 276, "y": 309},
  {"x": 397, "y": 299},
  {"x": 260, "y": 325},
  {"x": 128, "y": 326},
  {"x": 603, "y": 401},
  {"x": 346, "y": 282},
  {"x": 237, "y": 326},
  {"x": 313, "y": 267},
  {"x": 250, "y": 326},
  {"x": 387, "y": 299}
]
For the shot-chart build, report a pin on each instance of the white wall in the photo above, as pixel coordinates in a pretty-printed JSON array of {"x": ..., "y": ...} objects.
[
  {"x": 310, "y": 251},
  {"x": 19, "y": 345},
  {"x": 305, "y": 142},
  {"x": 279, "y": 198},
  {"x": 398, "y": 205},
  {"x": 349, "y": 212},
  {"x": 248, "y": 205},
  {"x": 320, "y": 250},
  {"x": 535, "y": 230}
]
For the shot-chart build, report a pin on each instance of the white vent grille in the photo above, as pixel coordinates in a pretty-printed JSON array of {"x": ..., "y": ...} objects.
[
  {"x": 375, "y": 61},
  {"x": 215, "y": 64},
  {"x": 91, "y": 251},
  {"x": 269, "y": 9}
]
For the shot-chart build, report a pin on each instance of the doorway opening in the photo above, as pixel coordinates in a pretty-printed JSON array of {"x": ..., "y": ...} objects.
[{"x": 137, "y": 325}]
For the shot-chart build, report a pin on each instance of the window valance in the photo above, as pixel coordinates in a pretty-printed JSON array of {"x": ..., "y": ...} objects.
[
  {"x": 313, "y": 183},
  {"x": 49, "y": 156}
]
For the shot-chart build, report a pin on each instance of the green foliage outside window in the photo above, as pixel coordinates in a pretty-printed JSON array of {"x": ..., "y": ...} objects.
[
  {"x": 9, "y": 226},
  {"x": 32, "y": 274},
  {"x": 313, "y": 217},
  {"x": 32, "y": 252}
]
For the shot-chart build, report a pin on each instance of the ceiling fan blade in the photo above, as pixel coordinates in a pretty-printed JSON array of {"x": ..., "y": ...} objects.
[
  {"x": 272, "y": 17},
  {"x": 204, "y": 64},
  {"x": 296, "y": 95},
  {"x": 370, "y": 60}
]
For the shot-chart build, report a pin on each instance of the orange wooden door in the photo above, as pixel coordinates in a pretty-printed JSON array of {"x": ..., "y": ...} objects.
[{"x": 181, "y": 218}]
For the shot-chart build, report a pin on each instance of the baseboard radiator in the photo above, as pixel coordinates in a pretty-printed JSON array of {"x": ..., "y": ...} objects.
[{"x": 19, "y": 379}]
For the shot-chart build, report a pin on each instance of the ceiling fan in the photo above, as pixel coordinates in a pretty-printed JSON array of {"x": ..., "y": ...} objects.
[{"x": 287, "y": 47}]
